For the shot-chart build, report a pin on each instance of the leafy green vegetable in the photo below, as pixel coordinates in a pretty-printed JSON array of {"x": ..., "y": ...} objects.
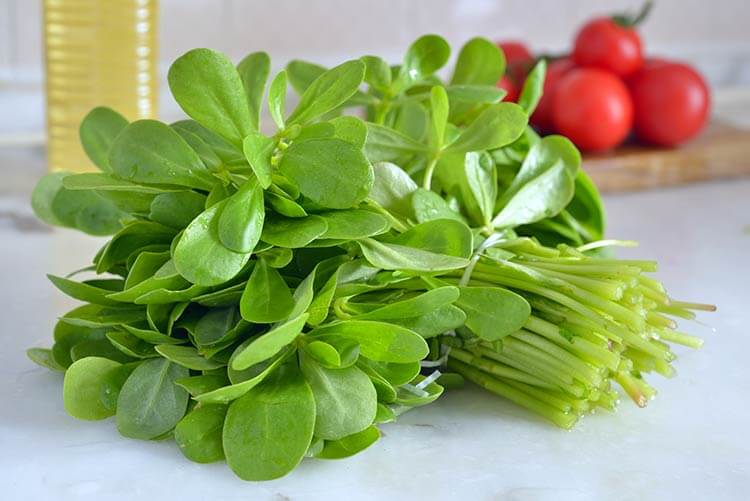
[
  {"x": 207, "y": 86},
  {"x": 91, "y": 388},
  {"x": 329, "y": 90},
  {"x": 301, "y": 287},
  {"x": 345, "y": 399},
  {"x": 293, "y": 232},
  {"x": 331, "y": 172},
  {"x": 268, "y": 430},
  {"x": 544, "y": 185},
  {"x": 480, "y": 62},
  {"x": 254, "y": 71},
  {"x": 493, "y": 313},
  {"x": 258, "y": 149},
  {"x": 98, "y": 131},
  {"x": 378, "y": 340},
  {"x": 188, "y": 357},
  {"x": 150, "y": 403},
  {"x": 277, "y": 99},
  {"x": 176, "y": 209},
  {"x": 266, "y": 298},
  {"x": 424, "y": 57},
  {"x": 199, "y": 433},
  {"x": 267, "y": 345},
  {"x": 497, "y": 126},
  {"x": 241, "y": 219},
  {"x": 200, "y": 255},
  {"x": 149, "y": 152},
  {"x": 533, "y": 87}
]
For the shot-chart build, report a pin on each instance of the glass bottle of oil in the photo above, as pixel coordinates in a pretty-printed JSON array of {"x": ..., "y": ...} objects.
[{"x": 98, "y": 53}]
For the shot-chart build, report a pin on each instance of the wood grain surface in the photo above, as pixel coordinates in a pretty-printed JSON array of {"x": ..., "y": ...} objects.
[{"x": 720, "y": 151}]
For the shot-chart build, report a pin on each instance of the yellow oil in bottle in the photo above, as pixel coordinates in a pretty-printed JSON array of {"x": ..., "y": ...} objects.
[{"x": 98, "y": 53}]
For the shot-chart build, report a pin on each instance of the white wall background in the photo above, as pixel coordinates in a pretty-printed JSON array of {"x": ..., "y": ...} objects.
[{"x": 714, "y": 35}]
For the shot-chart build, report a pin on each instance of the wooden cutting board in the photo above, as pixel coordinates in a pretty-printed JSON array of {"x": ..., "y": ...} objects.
[{"x": 720, "y": 151}]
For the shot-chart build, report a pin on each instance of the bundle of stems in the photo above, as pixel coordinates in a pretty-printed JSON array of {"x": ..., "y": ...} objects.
[{"x": 595, "y": 324}]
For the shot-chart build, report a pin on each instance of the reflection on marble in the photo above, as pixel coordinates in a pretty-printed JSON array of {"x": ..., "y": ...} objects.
[{"x": 691, "y": 443}]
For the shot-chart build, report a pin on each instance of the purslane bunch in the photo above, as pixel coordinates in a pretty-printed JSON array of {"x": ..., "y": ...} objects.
[{"x": 270, "y": 296}]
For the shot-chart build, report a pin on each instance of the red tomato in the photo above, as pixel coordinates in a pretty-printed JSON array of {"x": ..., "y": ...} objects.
[
  {"x": 593, "y": 108},
  {"x": 603, "y": 43},
  {"x": 518, "y": 59},
  {"x": 671, "y": 102},
  {"x": 542, "y": 116},
  {"x": 515, "y": 51},
  {"x": 511, "y": 89}
]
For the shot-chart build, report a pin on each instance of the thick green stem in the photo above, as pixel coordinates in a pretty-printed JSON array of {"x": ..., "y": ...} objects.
[
  {"x": 493, "y": 385},
  {"x": 497, "y": 369},
  {"x": 429, "y": 172}
]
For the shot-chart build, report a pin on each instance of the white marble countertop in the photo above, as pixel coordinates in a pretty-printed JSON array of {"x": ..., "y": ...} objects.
[{"x": 692, "y": 442}]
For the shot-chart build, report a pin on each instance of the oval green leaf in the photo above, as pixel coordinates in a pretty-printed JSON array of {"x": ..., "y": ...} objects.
[{"x": 150, "y": 403}]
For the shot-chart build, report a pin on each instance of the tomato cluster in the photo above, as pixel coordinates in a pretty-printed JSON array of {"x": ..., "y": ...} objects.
[{"x": 605, "y": 89}]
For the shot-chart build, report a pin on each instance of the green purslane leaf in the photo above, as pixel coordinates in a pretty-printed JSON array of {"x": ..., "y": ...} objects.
[
  {"x": 188, "y": 357},
  {"x": 266, "y": 298},
  {"x": 302, "y": 74},
  {"x": 254, "y": 70},
  {"x": 331, "y": 172},
  {"x": 493, "y": 313},
  {"x": 323, "y": 353},
  {"x": 416, "y": 306},
  {"x": 533, "y": 87},
  {"x": 401, "y": 257},
  {"x": 428, "y": 206},
  {"x": 482, "y": 183},
  {"x": 293, "y": 233},
  {"x": 345, "y": 399},
  {"x": 392, "y": 188},
  {"x": 83, "y": 291},
  {"x": 258, "y": 150},
  {"x": 277, "y": 99},
  {"x": 497, "y": 126},
  {"x": 44, "y": 357},
  {"x": 91, "y": 387},
  {"x": 207, "y": 154},
  {"x": 208, "y": 87},
  {"x": 254, "y": 376},
  {"x": 150, "y": 403},
  {"x": 543, "y": 186},
  {"x": 439, "y": 105},
  {"x": 377, "y": 73},
  {"x": 442, "y": 236},
  {"x": 388, "y": 145},
  {"x": 474, "y": 94},
  {"x": 98, "y": 131},
  {"x": 86, "y": 211},
  {"x": 150, "y": 152},
  {"x": 267, "y": 345},
  {"x": 241, "y": 219},
  {"x": 480, "y": 62},
  {"x": 424, "y": 57},
  {"x": 200, "y": 256},
  {"x": 350, "y": 129},
  {"x": 176, "y": 209},
  {"x": 199, "y": 433},
  {"x": 328, "y": 91},
  {"x": 352, "y": 224},
  {"x": 226, "y": 151},
  {"x": 268, "y": 430},
  {"x": 377, "y": 340}
]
